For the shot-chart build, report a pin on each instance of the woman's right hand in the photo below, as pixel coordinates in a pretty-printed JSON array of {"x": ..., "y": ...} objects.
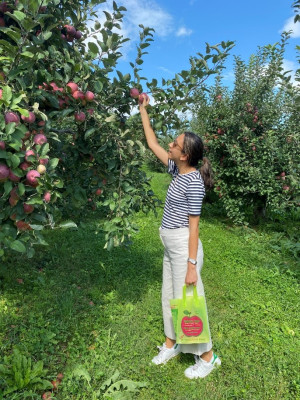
[{"x": 145, "y": 103}]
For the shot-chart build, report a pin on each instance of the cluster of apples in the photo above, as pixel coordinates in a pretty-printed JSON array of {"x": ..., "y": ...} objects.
[
  {"x": 69, "y": 33},
  {"x": 85, "y": 98},
  {"x": 76, "y": 94},
  {"x": 135, "y": 94},
  {"x": 30, "y": 157}
]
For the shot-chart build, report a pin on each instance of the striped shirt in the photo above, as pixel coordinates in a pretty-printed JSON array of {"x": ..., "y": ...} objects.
[{"x": 184, "y": 198}]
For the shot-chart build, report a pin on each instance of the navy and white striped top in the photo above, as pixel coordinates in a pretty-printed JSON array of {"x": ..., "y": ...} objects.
[{"x": 184, "y": 198}]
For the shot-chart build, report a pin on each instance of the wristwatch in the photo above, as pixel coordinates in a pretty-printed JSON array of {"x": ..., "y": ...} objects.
[{"x": 192, "y": 261}]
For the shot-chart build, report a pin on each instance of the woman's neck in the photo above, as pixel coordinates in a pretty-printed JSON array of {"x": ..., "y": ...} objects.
[{"x": 185, "y": 168}]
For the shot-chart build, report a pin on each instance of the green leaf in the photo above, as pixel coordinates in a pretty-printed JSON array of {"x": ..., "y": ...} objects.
[
  {"x": 27, "y": 54},
  {"x": 18, "y": 16},
  {"x": 93, "y": 47},
  {"x": 80, "y": 371},
  {"x": 17, "y": 245},
  {"x": 98, "y": 86},
  {"x": 21, "y": 188},
  {"x": 67, "y": 224},
  {"x": 7, "y": 187},
  {"x": 53, "y": 163},
  {"x": 89, "y": 132},
  {"x": 46, "y": 35},
  {"x": 15, "y": 160},
  {"x": 6, "y": 94}
]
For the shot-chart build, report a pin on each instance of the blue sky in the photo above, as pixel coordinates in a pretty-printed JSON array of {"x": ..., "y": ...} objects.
[{"x": 183, "y": 26}]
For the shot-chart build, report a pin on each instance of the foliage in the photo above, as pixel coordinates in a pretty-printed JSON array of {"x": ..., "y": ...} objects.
[
  {"x": 91, "y": 148},
  {"x": 252, "y": 135},
  {"x": 19, "y": 373},
  {"x": 120, "y": 389}
]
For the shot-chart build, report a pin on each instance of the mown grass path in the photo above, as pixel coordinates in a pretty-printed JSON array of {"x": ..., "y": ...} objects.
[{"x": 88, "y": 313}]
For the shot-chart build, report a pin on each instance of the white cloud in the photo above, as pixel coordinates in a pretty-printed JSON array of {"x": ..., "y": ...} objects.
[
  {"x": 229, "y": 76},
  {"x": 168, "y": 71},
  {"x": 147, "y": 13},
  {"x": 291, "y": 26},
  {"x": 182, "y": 31}
]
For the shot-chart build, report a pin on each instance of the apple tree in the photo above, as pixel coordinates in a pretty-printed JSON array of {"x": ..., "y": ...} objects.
[
  {"x": 251, "y": 135},
  {"x": 69, "y": 144}
]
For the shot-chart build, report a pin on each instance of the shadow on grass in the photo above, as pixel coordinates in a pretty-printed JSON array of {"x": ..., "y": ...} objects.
[{"x": 70, "y": 284}]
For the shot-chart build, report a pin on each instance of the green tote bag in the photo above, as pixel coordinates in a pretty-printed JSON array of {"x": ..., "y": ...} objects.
[{"x": 190, "y": 318}]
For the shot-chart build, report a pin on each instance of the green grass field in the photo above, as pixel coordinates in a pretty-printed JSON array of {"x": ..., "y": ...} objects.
[{"x": 88, "y": 313}]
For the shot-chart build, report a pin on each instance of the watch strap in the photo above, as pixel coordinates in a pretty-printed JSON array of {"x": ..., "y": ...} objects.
[{"x": 192, "y": 261}]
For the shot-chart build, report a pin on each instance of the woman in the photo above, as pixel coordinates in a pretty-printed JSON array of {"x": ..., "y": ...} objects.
[{"x": 183, "y": 256}]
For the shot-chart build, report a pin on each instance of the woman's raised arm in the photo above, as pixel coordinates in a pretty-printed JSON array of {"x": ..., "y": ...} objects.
[{"x": 151, "y": 138}]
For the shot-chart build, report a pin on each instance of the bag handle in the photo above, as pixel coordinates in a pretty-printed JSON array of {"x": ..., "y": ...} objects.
[{"x": 195, "y": 294}]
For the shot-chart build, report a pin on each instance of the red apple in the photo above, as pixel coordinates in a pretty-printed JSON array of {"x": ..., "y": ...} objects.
[
  {"x": 28, "y": 208},
  {"x": 40, "y": 139},
  {"x": 134, "y": 93},
  {"x": 70, "y": 30},
  {"x": 23, "y": 226},
  {"x": 47, "y": 396},
  {"x": 54, "y": 384},
  {"x": 12, "y": 117},
  {"x": 29, "y": 153},
  {"x": 2, "y": 145},
  {"x": 2, "y": 22},
  {"x": 60, "y": 375},
  {"x": 72, "y": 86},
  {"x": 44, "y": 161},
  {"x": 70, "y": 38},
  {"x": 79, "y": 116},
  {"x": 78, "y": 35},
  {"x": 4, "y": 172},
  {"x": 78, "y": 95},
  {"x": 47, "y": 197},
  {"x": 98, "y": 192},
  {"x": 143, "y": 96},
  {"x": 89, "y": 96},
  {"x": 32, "y": 176},
  {"x": 24, "y": 165},
  {"x": 30, "y": 119},
  {"x": 13, "y": 177}
]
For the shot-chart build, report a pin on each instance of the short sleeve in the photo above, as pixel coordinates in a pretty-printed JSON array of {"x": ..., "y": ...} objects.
[
  {"x": 195, "y": 194},
  {"x": 172, "y": 168}
]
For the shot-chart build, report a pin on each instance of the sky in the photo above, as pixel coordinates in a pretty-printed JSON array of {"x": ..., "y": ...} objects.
[{"x": 182, "y": 27}]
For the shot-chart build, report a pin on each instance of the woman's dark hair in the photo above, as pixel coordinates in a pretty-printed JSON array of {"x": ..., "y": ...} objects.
[{"x": 193, "y": 148}]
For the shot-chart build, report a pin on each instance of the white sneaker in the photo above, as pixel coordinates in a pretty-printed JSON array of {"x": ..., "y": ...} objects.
[
  {"x": 202, "y": 368},
  {"x": 165, "y": 354}
]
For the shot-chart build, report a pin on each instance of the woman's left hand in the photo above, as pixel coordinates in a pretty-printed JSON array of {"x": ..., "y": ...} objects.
[{"x": 191, "y": 275}]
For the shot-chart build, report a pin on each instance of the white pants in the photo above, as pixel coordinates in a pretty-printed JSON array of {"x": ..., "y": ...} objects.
[{"x": 176, "y": 244}]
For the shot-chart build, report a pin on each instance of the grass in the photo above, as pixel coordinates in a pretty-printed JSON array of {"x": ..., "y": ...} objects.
[{"x": 87, "y": 313}]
